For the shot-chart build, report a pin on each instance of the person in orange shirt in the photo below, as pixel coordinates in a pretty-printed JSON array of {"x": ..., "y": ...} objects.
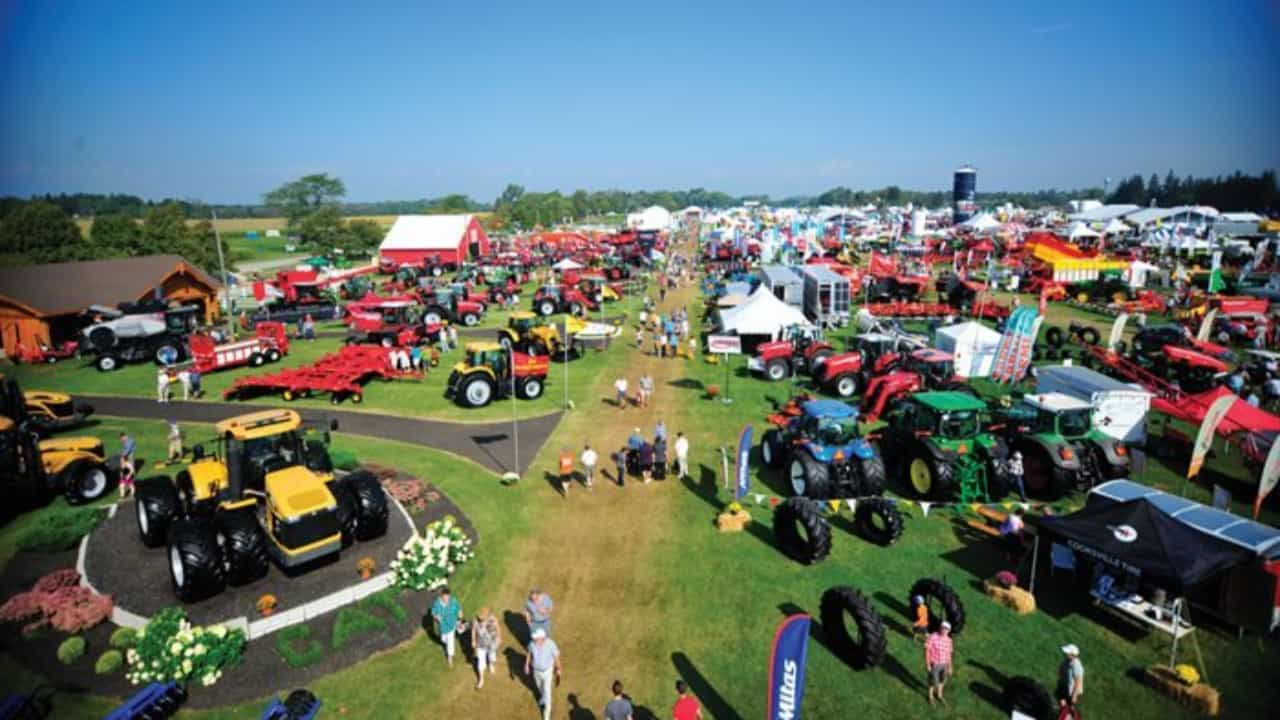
[
  {"x": 566, "y": 470},
  {"x": 920, "y": 627}
]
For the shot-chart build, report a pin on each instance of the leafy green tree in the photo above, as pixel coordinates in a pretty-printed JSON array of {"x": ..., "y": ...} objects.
[
  {"x": 116, "y": 235},
  {"x": 360, "y": 237},
  {"x": 41, "y": 232},
  {"x": 305, "y": 196},
  {"x": 320, "y": 229},
  {"x": 450, "y": 205},
  {"x": 199, "y": 247}
]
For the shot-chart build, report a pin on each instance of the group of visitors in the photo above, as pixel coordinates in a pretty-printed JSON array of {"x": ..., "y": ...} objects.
[
  {"x": 668, "y": 331},
  {"x": 189, "y": 378},
  {"x": 639, "y": 456},
  {"x": 644, "y": 391},
  {"x": 411, "y": 359}
]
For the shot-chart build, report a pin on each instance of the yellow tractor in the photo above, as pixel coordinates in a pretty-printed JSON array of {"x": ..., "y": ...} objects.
[
  {"x": 268, "y": 493},
  {"x": 43, "y": 413},
  {"x": 527, "y": 333},
  {"x": 32, "y": 469},
  {"x": 490, "y": 372}
]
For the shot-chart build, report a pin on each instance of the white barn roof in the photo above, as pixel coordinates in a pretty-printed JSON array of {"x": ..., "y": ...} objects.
[
  {"x": 426, "y": 232},
  {"x": 1104, "y": 213}
]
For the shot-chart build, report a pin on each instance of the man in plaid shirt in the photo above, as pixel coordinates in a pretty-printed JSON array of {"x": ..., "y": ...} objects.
[{"x": 937, "y": 661}]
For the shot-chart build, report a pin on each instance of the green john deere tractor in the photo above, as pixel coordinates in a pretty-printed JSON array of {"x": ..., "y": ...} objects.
[
  {"x": 937, "y": 442},
  {"x": 1062, "y": 449}
]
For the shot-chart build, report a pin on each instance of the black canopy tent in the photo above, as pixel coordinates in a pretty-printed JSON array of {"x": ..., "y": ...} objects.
[{"x": 1139, "y": 537}]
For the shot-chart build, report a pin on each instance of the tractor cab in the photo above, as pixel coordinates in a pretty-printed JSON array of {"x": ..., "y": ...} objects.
[
  {"x": 1053, "y": 413},
  {"x": 489, "y": 355},
  {"x": 398, "y": 312},
  {"x": 874, "y": 347},
  {"x": 935, "y": 367},
  {"x": 828, "y": 422},
  {"x": 1061, "y": 449}
]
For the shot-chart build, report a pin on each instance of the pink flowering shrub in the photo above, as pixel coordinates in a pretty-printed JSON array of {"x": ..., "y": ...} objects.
[{"x": 57, "y": 600}]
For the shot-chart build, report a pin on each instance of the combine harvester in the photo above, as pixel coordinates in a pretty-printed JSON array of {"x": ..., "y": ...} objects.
[{"x": 341, "y": 375}]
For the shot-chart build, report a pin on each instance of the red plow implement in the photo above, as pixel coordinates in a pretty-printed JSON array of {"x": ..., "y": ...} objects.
[{"x": 341, "y": 374}]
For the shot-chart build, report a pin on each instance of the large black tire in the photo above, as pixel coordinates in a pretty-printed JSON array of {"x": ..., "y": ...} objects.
[
  {"x": 472, "y": 394},
  {"x": 102, "y": 338},
  {"x": 820, "y": 358},
  {"x": 771, "y": 450},
  {"x": 878, "y": 520},
  {"x": 1055, "y": 337},
  {"x": 531, "y": 388},
  {"x": 371, "y": 505},
  {"x": 244, "y": 546},
  {"x": 938, "y": 487},
  {"x": 867, "y": 649},
  {"x": 808, "y": 477},
  {"x": 348, "y": 507},
  {"x": 845, "y": 386},
  {"x": 157, "y": 507},
  {"x": 1041, "y": 477},
  {"x": 1028, "y": 697},
  {"x": 300, "y": 704},
  {"x": 795, "y": 514},
  {"x": 85, "y": 481},
  {"x": 932, "y": 590},
  {"x": 873, "y": 475},
  {"x": 1090, "y": 335},
  {"x": 195, "y": 561}
]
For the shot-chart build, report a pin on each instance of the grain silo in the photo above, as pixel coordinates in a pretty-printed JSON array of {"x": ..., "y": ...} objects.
[{"x": 964, "y": 194}]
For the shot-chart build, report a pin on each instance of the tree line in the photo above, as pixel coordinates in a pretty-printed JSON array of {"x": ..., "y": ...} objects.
[{"x": 1227, "y": 193}]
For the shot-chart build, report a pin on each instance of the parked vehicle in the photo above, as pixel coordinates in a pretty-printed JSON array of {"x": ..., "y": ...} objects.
[
  {"x": 392, "y": 323},
  {"x": 824, "y": 453},
  {"x": 937, "y": 443},
  {"x": 826, "y": 296},
  {"x": 157, "y": 337},
  {"x": 798, "y": 348},
  {"x": 870, "y": 355},
  {"x": 269, "y": 343},
  {"x": 39, "y": 411},
  {"x": 552, "y": 299},
  {"x": 441, "y": 304},
  {"x": 528, "y": 333},
  {"x": 32, "y": 470},
  {"x": 1061, "y": 449},
  {"x": 489, "y": 372}
]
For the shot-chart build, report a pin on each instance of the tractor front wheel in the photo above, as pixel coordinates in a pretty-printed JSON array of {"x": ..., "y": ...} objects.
[
  {"x": 370, "y": 505},
  {"x": 85, "y": 482},
  {"x": 244, "y": 546},
  {"x": 809, "y": 478},
  {"x": 776, "y": 370},
  {"x": 470, "y": 319},
  {"x": 929, "y": 478},
  {"x": 546, "y": 308},
  {"x": 771, "y": 449},
  {"x": 195, "y": 561},
  {"x": 846, "y": 386},
  {"x": 157, "y": 507}
]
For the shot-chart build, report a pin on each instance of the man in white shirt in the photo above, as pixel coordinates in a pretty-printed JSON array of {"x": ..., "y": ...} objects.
[
  {"x": 620, "y": 391},
  {"x": 682, "y": 455},
  {"x": 589, "y": 460}
]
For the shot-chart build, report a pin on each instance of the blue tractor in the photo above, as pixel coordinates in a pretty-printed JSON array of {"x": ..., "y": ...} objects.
[{"x": 823, "y": 453}]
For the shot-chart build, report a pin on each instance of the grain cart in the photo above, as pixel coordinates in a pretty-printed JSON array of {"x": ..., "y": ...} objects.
[
  {"x": 1061, "y": 449},
  {"x": 936, "y": 442},
  {"x": 823, "y": 452},
  {"x": 489, "y": 372},
  {"x": 268, "y": 493}
]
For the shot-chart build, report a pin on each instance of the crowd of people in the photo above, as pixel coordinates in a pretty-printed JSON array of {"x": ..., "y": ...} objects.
[{"x": 648, "y": 459}]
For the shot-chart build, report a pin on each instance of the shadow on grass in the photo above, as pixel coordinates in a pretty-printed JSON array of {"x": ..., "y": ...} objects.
[
  {"x": 981, "y": 560},
  {"x": 485, "y": 441},
  {"x": 702, "y": 688},
  {"x": 517, "y": 626},
  {"x": 576, "y": 711},
  {"x": 891, "y": 620},
  {"x": 515, "y": 671},
  {"x": 553, "y": 481},
  {"x": 890, "y": 665},
  {"x": 686, "y": 384},
  {"x": 985, "y": 690}
]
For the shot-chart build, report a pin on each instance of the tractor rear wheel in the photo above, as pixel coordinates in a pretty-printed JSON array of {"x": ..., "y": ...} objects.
[
  {"x": 531, "y": 388},
  {"x": 157, "y": 508},
  {"x": 244, "y": 546},
  {"x": 371, "y": 505},
  {"x": 347, "y": 509},
  {"x": 195, "y": 561},
  {"x": 85, "y": 482},
  {"x": 477, "y": 391},
  {"x": 820, "y": 358},
  {"x": 928, "y": 477},
  {"x": 873, "y": 475},
  {"x": 776, "y": 370},
  {"x": 771, "y": 449},
  {"x": 846, "y": 386},
  {"x": 809, "y": 478},
  {"x": 1041, "y": 477},
  {"x": 794, "y": 514},
  {"x": 867, "y": 648}
]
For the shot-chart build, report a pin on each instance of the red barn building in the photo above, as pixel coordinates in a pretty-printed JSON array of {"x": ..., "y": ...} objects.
[{"x": 447, "y": 239}]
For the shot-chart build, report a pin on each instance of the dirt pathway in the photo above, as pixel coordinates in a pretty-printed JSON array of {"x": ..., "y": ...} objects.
[{"x": 586, "y": 555}]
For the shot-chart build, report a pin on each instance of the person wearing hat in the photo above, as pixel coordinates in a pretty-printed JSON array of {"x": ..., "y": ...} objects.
[
  {"x": 1015, "y": 474},
  {"x": 543, "y": 664},
  {"x": 937, "y": 661},
  {"x": 920, "y": 626},
  {"x": 1070, "y": 682}
]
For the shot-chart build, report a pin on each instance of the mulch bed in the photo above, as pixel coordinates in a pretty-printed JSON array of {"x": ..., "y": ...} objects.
[{"x": 262, "y": 672}]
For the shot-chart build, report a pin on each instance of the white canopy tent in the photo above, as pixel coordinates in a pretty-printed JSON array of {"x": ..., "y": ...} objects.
[
  {"x": 981, "y": 223},
  {"x": 972, "y": 344},
  {"x": 567, "y": 264},
  {"x": 1115, "y": 227},
  {"x": 1080, "y": 230},
  {"x": 761, "y": 314}
]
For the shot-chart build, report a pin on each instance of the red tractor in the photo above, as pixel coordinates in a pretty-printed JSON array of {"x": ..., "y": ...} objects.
[
  {"x": 800, "y": 347},
  {"x": 392, "y": 323},
  {"x": 926, "y": 369},
  {"x": 883, "y": 280},
  {"x": 452, "y": 304},
  {"x": 552, "y": 299},
  {"x": 870, "y": 355},
  {"x": 41, "y": 353}
]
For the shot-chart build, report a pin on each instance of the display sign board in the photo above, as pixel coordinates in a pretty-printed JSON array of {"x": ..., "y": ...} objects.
[{"x": 724, "y": 344}]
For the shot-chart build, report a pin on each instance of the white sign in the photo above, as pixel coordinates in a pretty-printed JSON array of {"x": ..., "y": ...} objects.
[{"x": 724, "y": 344}]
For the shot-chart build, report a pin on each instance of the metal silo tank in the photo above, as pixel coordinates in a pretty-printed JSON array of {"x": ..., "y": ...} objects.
[{"x": 964, "y": 194}]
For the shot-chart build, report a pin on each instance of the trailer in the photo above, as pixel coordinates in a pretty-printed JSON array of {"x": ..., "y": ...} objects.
[
  {"x": 785, "y": 283},
  {"x": 269, "y": 343},
  {"x": 341, "y": 375},
  {"x": 826, "y": 296}
]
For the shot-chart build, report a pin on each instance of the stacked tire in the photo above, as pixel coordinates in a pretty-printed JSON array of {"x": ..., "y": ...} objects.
[{"x": 878, "y": 520}]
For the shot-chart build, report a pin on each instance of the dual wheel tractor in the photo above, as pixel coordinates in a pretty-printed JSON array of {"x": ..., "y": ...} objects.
[
  {"x": 491, "y": 372},
  {"x": 41, "y": 412},
  {"x": 1062, "y": 452},
  {"x": 937, "y": 442},
  {"x": 268, "y": 493},
  {"x": 800, "y": 348},
  {"x": 823, "y": 453},
  {"x": 32, "y": 470}
]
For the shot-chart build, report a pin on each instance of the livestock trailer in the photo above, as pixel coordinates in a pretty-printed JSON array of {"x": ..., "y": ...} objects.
[
  {"x": 826, "y": 296},
  {"x": 785, "y": 283}
]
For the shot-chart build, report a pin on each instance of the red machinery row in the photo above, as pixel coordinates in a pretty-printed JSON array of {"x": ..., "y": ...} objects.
[{"x": 341, "y": 374}]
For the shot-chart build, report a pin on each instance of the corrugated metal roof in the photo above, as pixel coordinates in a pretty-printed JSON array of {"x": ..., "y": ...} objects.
[
  {"x": 61, "y": 288},
  {"x": 1103, "y": 213},
  {"x": 426, "y": 232}
]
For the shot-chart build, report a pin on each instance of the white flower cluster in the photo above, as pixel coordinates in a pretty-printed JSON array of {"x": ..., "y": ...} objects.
[
  {"x": 426, "y": 561},
  {"x": 186, "y": 652}
]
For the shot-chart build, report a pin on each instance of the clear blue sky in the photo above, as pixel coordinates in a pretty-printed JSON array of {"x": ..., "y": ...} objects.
[{"x": 223, "y": 101}]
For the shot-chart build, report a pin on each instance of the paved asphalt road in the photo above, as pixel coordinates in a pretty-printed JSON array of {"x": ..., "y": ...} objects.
[{"x": 489, "y": 444}]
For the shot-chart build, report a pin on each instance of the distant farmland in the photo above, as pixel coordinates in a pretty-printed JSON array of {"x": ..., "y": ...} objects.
[{"x": 243, "y": 225}]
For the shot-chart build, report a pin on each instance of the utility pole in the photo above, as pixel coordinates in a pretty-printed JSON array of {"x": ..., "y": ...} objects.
[{"x": 222, "y": 270}]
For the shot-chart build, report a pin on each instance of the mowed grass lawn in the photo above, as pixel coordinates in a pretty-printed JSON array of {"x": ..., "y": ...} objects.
[
  {"x": 408, "y": 397},
  {"x": 392, "y": 683}
]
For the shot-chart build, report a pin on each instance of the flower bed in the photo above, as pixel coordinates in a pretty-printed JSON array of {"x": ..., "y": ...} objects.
[
  {"x": 426, "y": 561},
  {"x": 169, "y": 648}
]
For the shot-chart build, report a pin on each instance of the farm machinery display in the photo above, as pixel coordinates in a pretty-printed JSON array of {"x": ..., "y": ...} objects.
[
  {"x": 391, "y": 323},
  {"x": 1061, "y": 449},
  {"x": 39, "y": 411},
  {"x": 564, "y": 298},
  {"x": 926, "y": 369},
  {"x": 341, "y": 374},
  {"x": 292, "y": 297},
  {"x": 269, "y": 343},
  {"x": 491, "y": 372},
  {"x": 824, "y": 454},
  {"x": 529, "y": 333},
  {"x": 32, "y": 469},
  {"x": 937, "y": 442},
  {"x": 451, "y": 303},
  {"x": 267, "y": 493},
  {"x": 800, "y": 348},
  {"x": 870, "y": 354},
  {"x": 1170, "y": 351},
  {"x": 41, "y": 353},
  {"x": 159, "y": 337}
]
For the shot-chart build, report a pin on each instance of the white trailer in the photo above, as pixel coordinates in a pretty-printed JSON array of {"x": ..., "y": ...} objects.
[{"x": 785, "y": 283}]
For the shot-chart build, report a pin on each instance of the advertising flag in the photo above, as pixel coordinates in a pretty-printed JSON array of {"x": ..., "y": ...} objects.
[
  {"x": 1204, "y": 439},
  {"x": 744, "y": 466},
  {"x": 1270, "y": 474},
  {"x": 786, "y": 668}
]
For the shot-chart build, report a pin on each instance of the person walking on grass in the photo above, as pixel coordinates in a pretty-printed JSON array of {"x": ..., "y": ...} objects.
[
  {"x": 620, "y": 466},
  {"x": 682, "y": 456},
  {"x": 162, "y": 385},
  {"x": 1070, "y": 683},
  {"x": 127, "y": 449},
  {"x": 646, "y": 389},
  {"x": 620, "y": 392},
  {"x": 446, "y": 613},
  {"x": 566, "y": 471},
  {"x": 937, "y": 661},
  {"x": 686, "y": 707},
  {"x": 589, "y": 459},
  {"x": 646, "y": 462},
  {"x": 660, "y": 345},
  {"x": 619, "y": 708},
  {"x": 542, "y": 663},
  {"x": 537, "y": 611},
  {"x": 486, "y": 638}
]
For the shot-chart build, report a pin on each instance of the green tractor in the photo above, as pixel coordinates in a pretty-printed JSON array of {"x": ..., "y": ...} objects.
[
  {"x": 1062, "y": 450},
  {"x": 937, "y": 442}
]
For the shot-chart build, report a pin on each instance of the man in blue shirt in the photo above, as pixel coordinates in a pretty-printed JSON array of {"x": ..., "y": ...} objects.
[
  {"x": 636, "y": 440},
  {"x": 127, "y": 448},
  {"x": 446, "y": 612}
]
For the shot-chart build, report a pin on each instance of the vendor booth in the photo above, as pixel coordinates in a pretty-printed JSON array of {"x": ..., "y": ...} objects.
[
  {"x": 972, "y": 344},
  {"x": 762, "y": 316}
]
